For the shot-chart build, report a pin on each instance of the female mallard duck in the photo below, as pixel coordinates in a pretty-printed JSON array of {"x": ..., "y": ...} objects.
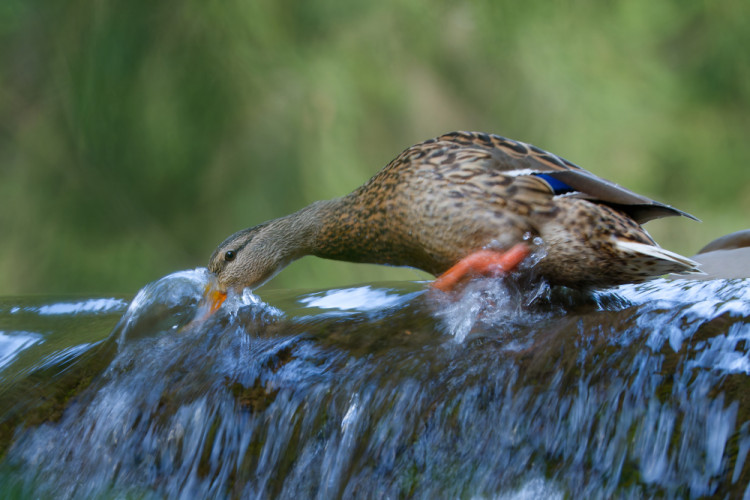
[{"x": 462, "y": 201}]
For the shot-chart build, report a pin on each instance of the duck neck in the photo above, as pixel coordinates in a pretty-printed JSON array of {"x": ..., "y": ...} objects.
[
  {"x": 299, "y": 234},
  {"x": 355, "y": 229},
  {"x": 338, "y": 229}
]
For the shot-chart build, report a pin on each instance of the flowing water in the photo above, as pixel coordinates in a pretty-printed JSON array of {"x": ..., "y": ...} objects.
[{"x": 384, "y": 390}]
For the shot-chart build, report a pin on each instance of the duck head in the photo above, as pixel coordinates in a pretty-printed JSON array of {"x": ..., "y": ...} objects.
[{"x": 247, "y": 259}]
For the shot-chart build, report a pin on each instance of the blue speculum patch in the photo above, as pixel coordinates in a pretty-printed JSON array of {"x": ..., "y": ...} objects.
[{"x": 558, "y": 186}]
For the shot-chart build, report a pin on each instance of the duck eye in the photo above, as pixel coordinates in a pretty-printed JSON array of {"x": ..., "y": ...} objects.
[{"x": 230, "y": 255}]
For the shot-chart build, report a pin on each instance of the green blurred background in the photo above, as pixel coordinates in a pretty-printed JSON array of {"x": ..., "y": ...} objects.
[{"x": 135, "y": 136}]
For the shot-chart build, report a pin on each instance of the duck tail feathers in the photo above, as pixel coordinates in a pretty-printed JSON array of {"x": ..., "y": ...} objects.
[{"x": 670, "y": 261}]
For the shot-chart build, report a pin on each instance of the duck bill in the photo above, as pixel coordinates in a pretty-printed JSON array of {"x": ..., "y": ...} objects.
[
  {"x": 212, "y": 301},
  {"x": 215, "y": 298}
]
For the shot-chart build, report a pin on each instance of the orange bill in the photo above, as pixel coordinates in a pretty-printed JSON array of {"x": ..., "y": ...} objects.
[{"x": 215, "y": 299}]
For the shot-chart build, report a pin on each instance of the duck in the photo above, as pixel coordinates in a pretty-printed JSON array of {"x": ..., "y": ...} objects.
[
  {"x": 727, "y": 257},
  {"x": 467, "y": 204}
]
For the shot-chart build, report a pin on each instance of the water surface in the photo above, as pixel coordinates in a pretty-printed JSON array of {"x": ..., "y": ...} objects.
[{"x": 380, "y": 390}]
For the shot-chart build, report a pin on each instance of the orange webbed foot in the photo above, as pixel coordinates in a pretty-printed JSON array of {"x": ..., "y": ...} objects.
[{"x": 484, "y": 263}]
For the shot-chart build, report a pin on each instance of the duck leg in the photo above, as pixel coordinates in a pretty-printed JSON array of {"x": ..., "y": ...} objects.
[{"x": 483, "y": 263}]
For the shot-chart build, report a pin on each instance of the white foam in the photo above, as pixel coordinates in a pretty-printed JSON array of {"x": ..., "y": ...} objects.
[
  {"x": 12, "y": 343},
  {"x": 90, "y": 306},
  {"x": 362, "y": 298}
]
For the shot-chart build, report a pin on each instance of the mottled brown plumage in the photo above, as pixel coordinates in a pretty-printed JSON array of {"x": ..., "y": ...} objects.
[{"x": 445, "y": 198}]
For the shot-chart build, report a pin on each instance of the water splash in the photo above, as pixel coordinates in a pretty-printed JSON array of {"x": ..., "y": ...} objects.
[{"x": 498, "y": 304}]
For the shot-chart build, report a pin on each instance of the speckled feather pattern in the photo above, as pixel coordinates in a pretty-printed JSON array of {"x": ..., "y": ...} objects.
[{"x": 445, "y": 198}]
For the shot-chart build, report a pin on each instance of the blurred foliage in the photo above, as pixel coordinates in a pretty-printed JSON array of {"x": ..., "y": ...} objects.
[{"x": 135, "y": 136}]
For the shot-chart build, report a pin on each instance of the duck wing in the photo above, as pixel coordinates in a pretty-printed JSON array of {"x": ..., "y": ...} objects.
[{"x": 564, "y": 178}]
